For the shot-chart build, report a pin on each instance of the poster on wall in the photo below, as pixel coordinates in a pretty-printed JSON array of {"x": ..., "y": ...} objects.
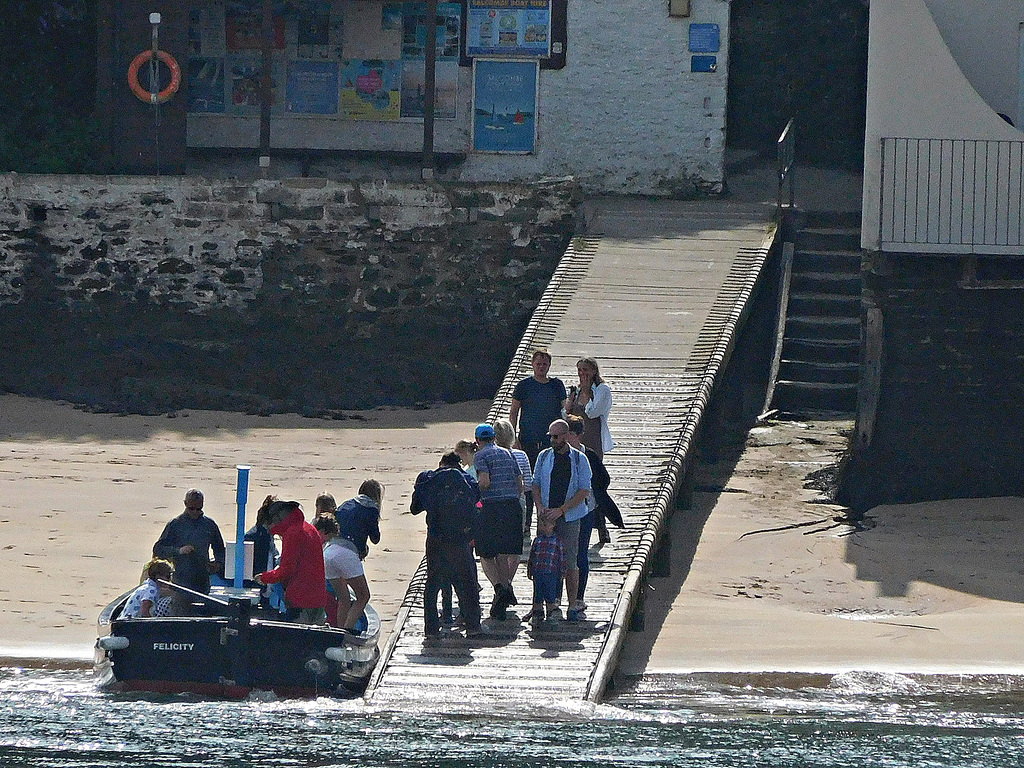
[
  {"x": 206, "y": 85},
  {"x": 505, "y": 106},
  {"x": 371, "y": 89},
  {"x": 206, "y": 31},
  {"x": 243, "y": 30},
  {"x": 374, "y": 31},
  {"x": 414, "y": 30},
  {"x": 519, "y": 28},
  {"x": 446, "y": 89},
  {"x": 243, "y": 73},
  {"x": 318, "y": 32},
  {"x": 312, "y": 88}
]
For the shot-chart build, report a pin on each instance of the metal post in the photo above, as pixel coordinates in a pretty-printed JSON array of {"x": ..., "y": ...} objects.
[
  {"x": 154, "y": 86},
  {"x": 429, "y": 82},
  {"x": 241, "y": 496}
]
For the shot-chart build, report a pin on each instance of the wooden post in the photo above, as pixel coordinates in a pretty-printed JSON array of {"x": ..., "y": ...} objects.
[
  {"x": 266, "y": 84},
  {"x": 429, "y": 82},
  {"x": 869, "y": 388},
  {"x": 104, "y": 82}
]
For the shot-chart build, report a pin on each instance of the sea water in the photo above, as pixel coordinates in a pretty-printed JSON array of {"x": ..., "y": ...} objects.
[{"x": 59, "y": 718}]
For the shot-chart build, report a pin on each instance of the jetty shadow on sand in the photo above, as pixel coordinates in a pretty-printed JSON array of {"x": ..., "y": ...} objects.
[
  {"x": 32, "y": 419},
  {"x": 971, "y": 546}
]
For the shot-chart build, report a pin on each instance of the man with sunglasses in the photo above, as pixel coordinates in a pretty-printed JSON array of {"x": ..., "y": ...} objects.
[
  {"x": 561, "y": 485},
  {"x": 187, "y": 540}
]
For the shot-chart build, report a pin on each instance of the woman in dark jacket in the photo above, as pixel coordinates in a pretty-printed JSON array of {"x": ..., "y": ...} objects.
[{"x": 358, "y": 522}]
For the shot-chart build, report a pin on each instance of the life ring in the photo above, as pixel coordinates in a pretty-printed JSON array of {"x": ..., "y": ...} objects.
[{"x": 142, "y": 93}]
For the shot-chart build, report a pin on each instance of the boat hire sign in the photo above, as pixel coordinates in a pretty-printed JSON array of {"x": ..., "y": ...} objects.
[
  {"x": 505, "y": 106},
  {"x": 520, "y": 28}
]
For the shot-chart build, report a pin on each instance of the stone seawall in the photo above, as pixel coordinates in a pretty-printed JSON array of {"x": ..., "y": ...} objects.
[{"x": 152, "y": 294}]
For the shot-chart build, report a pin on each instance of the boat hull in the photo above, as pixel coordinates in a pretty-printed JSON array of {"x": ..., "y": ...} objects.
[{"x": 231, "y": 656}]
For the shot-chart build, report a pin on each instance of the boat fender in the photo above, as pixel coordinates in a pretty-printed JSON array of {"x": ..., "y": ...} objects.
[
  {"x": 113, "y": 643},
  {"x": 317, "y": 667},
  {"x": 339, "y": 653}
]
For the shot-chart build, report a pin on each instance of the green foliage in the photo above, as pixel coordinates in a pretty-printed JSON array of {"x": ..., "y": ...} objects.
[{"x": 47, "y": 57}]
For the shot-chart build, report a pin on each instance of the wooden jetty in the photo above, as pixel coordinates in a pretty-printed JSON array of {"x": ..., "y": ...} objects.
[{"x": 656, "y": 291}]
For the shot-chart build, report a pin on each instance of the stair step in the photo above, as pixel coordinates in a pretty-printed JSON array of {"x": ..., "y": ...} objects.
[
  {"x": 821, "y": 351},
  {"x": 825, "y": 328},
  {"x": 834, "y": 304},
  {"x": 799, "y": 397},
  {"x": 825, "y": 219},
  {"x": 825, "y": 282},
  {"x": 827, "y": 261},
  {"x": 845, "y": 373},
  {"x": 829, "y": 239}
]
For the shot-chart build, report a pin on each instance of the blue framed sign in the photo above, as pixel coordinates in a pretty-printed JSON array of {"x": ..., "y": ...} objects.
[
  {"x": 703, "y": 63},
  {"x": 518, "y": 28},
  {"x": 704, "y": 38},
  {"x": 505, "y": 106}
]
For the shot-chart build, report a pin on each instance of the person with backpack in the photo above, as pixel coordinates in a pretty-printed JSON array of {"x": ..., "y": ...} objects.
[{"x": 449, "y": 496}]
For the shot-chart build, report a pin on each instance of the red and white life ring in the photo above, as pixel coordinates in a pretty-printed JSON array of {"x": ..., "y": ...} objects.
[{"x": 142, "y": 93}]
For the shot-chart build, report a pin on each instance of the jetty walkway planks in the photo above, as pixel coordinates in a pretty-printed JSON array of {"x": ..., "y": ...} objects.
[{"x": 656, "y": 291}]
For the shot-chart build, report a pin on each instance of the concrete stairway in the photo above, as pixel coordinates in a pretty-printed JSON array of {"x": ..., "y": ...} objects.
[{"x": 819, "y": 365}]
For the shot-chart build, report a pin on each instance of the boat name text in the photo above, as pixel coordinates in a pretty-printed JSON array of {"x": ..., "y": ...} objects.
[{"x": 173, "y": 646}]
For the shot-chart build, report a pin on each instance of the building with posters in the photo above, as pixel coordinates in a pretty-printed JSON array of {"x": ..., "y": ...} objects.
[
  {"x": 626, "y": 95},
  {"x": 940, "y": 411}
]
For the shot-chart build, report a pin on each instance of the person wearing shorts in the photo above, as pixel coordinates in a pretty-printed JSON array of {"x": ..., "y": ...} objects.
[{"x": 499, "y": 535}]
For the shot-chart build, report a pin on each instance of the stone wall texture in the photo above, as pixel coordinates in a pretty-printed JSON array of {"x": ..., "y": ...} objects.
[
  {"x": 949, "y": 416},
  {"x": 153, "y": 294}
]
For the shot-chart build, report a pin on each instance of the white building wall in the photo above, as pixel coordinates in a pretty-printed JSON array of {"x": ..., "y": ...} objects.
[
  {"x": 625, "y": 115},
  {"x": 916, "y": 89},
  {"x": 984, "y": 39}
]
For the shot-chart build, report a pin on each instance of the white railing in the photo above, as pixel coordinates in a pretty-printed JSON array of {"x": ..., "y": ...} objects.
[{"x": 952, "y": 196}]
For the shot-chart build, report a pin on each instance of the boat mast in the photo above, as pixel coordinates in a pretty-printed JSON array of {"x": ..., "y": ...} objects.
[{"x": 241, "y": 496}]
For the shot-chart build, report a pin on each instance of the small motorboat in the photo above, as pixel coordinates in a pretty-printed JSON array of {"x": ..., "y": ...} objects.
[
  {"x": 231, "y": 650},
  {"x": 230, "y": 645}
]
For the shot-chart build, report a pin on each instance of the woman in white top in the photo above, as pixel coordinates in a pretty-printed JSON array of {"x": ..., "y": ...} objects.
[{"x": 592, "y": 401}]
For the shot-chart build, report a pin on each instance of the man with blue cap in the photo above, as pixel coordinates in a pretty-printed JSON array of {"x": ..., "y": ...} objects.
[{"x": 499, "y": 535}]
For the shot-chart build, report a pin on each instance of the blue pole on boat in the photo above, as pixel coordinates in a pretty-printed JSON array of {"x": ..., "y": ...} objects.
[{"x": 241, "y": 495}]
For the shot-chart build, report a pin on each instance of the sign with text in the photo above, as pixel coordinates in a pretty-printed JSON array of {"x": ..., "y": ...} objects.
[{"x": 520, "y": 28}]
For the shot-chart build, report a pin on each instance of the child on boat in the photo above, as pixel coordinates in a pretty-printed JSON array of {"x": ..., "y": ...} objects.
[{"x": 151, "y": 599}]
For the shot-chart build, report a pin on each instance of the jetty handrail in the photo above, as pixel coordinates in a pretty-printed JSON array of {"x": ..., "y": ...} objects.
[
  {"x": 957, "y": 196},
  {"x": 785, "y": 154}
]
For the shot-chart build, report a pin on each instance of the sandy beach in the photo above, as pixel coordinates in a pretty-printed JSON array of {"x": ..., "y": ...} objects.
[
  {"x": 85, "y": 495},
  {"x": 763, "y": 576}
]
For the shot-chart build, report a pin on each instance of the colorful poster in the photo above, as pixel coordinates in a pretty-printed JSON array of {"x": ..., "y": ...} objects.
[
  {"x": 243, "y": 72},
  {"x": 243, "y": 31},
  {"x": 205, "y": 85},
  {"x": 206, "y": 31},
  {"x": 505, "y": 106},
  {"x": 509, "y": 28},
  {"x": 371, "y": 89},
  {"x": 446, "y": 89},
  {"x": 312, "y": 88},
  {"x": 414, "y": 31}
]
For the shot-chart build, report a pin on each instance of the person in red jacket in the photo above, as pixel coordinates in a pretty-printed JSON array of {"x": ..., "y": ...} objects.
[{"x": 302, "y": 564}]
